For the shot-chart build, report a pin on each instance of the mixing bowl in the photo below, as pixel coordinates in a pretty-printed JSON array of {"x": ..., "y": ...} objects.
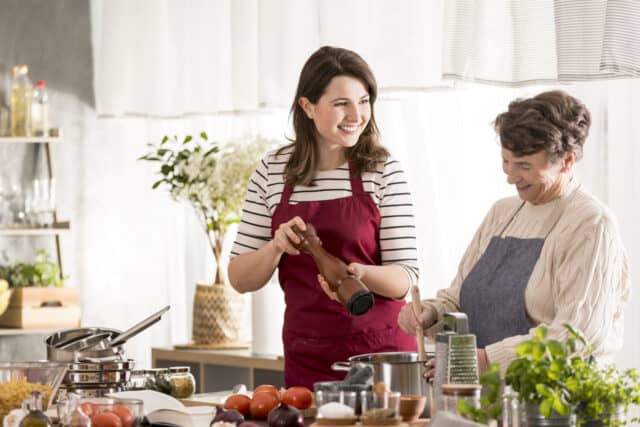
[{"x": 18, "y": 379}]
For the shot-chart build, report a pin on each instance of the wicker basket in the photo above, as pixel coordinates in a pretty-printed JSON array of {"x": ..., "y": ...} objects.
[{"x": 216, "y": 310}]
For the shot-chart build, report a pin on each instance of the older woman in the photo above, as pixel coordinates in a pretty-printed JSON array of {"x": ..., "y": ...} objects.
[{"x": 550, "y": 256}]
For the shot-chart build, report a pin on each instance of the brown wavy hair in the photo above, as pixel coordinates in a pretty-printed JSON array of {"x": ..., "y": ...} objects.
[
  {"x": 325, "y": 64},
  {"x": 554, "y": 122}
]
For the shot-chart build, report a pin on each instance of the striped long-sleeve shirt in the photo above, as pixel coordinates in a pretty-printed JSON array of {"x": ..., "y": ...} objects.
[{"x": 387, "y": 187}]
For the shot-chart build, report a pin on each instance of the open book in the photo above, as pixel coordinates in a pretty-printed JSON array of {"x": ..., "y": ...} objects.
[{"x": 161, "y": 408}]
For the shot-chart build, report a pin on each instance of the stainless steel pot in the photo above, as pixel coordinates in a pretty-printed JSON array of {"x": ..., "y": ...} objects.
[
  {"x": 400, "y": 371},
  {"x": 54, "y": 353}
]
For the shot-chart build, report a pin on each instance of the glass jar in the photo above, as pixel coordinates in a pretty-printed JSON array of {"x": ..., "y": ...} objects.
[
  {"x": 143, "y": 379},
  {"x": 181, "y": 381},
  {"x": 453, "y": 393},
  {"x": 157, "y": 380}
]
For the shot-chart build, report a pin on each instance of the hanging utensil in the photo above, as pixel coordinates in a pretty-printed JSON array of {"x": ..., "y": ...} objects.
[{"x": 417, "y": 308}]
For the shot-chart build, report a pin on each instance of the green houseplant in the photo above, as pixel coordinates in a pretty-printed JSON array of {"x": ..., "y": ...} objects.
[
  {"x": 42, "y": 272},
  {"x": 560, "y": 378},
  {"x": 213, "y": 179}
]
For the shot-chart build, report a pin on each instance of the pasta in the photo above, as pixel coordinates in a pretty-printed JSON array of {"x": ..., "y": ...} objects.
[{"x": 13, "y": 392}]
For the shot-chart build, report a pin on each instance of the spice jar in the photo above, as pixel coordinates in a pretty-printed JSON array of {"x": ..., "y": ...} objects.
[
  {"x": 181, "y": 381},
  {"x": 454, "y": 393},
  {"x": 157, "y": 380},
  {"x": 142, "y": 379}
]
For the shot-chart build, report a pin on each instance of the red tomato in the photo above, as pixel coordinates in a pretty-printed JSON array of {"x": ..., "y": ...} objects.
[
  {"x": 239, "y": 402},
  {"x": 89, "y": 409},
  {"x": 269, "y": 389},
  {"x": 125, "y": 415},
  {"x": 262, "y": 403},
  {"x": 106, "y": 419},
  {"x": 299, "y": 397}
]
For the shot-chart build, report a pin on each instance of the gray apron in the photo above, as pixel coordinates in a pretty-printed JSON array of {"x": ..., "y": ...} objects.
[{"x": 492, "y": 295}]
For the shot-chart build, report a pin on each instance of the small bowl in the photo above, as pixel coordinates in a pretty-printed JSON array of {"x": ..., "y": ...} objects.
[
  {"x": 130, "y": 411},
  {"x": 412, "y": 406},
  {"x": 379, "y": 406},
  {"x": 345, "y": 398}
]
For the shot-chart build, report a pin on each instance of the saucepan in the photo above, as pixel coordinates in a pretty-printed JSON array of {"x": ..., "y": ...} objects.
[
  {"x": 400, "y": 371},
  {"x": 94, "y": 344}
]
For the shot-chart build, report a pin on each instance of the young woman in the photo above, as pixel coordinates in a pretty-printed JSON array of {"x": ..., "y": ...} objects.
[{"x": 336, "y": 176}]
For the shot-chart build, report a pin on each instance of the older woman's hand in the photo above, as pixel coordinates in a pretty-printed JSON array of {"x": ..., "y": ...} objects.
[{"x": 408, "y": 320}]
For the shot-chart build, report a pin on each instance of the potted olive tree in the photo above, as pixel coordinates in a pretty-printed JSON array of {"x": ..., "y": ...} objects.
[{"x": 213, "y": 179}]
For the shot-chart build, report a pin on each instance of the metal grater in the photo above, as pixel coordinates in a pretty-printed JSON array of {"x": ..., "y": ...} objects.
[
  {"x": 462, "y": 364},
  {"x": 456, "y": 356}
]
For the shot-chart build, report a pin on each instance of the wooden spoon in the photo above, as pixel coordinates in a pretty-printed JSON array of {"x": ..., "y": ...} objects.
[{"x": 417, "y": 308}]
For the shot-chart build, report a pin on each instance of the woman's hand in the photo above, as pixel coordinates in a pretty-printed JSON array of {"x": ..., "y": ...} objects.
[
  {"x": 284, "y": 237},
  {"x": 408, "y": 320},
  {"x": 355, "y": 269}
]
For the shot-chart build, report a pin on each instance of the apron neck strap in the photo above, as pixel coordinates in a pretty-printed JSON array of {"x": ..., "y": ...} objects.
[
  {"x": 356, "y": 182},
  {"x": 286, "y": 192},
  {"x": 551, "y": 220}
]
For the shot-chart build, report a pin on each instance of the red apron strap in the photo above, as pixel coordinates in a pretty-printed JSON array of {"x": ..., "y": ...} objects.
[
  {"x": 286, "y": 193},
  {"x": 356, "y": 182}
]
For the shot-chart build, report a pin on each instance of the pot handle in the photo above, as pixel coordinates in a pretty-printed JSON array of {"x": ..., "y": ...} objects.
[{"x": 341, "y": 366}]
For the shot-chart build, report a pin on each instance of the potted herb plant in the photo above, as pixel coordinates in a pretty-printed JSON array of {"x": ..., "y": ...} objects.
[
  {"x": 558, "y": 379},
  {"x": 32, "y": 295},
  {"x": 213, "y": 179}
]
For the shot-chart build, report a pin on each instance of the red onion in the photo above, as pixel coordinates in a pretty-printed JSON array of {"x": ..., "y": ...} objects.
[
  {"x": 285, "y": 416},
  {"x": 227, "y": 416}
]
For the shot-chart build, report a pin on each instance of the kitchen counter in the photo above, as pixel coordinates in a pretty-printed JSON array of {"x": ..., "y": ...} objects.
[{"x": 217, "y": 370}]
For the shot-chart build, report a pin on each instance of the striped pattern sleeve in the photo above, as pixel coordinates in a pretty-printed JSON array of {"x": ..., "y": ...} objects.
[
  {"x": 255, "y": 223},
  {"x": 397, "y": 222}
]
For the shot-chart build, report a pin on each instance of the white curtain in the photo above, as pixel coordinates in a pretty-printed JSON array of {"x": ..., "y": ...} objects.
[
  {"x": 520, "y": 42},
  {"x": 169, "y": 58}
]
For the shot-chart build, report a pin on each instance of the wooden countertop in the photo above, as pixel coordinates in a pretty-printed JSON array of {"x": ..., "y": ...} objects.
[{"x": 238, "y": 358}]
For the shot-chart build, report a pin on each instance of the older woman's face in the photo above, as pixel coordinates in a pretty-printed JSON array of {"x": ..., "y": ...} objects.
[{"x": 537, "y": 179}]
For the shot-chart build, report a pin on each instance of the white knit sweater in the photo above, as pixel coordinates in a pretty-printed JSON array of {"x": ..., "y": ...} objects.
[{"x": 581, "y": 278}]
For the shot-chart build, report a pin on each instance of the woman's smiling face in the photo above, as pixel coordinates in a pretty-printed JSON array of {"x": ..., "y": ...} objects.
[
  {"x": 341, "y": 113},
  {"x": 537, "y": 179}
]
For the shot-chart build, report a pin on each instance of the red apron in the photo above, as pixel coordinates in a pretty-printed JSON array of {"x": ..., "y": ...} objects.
[{"x": 318, "y": 331}]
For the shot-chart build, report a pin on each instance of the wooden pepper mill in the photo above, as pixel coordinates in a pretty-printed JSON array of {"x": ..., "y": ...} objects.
[{"x": 351, "y": 292}]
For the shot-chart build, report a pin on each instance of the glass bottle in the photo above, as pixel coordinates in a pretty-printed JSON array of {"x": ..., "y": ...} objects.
[
  {"x": 72, "y": 415},
  {"x": 35, "y": 417},
  {"x": 40, "y": 110},
  {"x": 21, "y": 97},
  {"x": 510, "y": 408}
]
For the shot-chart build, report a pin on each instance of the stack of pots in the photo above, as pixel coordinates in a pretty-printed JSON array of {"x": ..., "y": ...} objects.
[{"x": 94, "y": 370}]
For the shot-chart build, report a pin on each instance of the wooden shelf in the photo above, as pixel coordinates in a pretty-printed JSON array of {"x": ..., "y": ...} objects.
[
  {"x": 7, "y": 332},
  {"x": 29, "y": 139},
  {"x": 56, "y": 229}
]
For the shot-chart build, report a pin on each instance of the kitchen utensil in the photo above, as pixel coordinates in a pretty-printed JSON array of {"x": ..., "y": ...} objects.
[
  {"x": 59, "y": 355},
  {"x": 351, "y": 292},
  {"x": 417, "y": 308},
  {"x": 71, "y": 340},
  {"x": 139, "y": 327},
  {"x": 400, "y": 371},
  {"x": 121, "y": 338},
  {"x": 456, "y": 356},
  {"x": 84, "y": 343}
]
